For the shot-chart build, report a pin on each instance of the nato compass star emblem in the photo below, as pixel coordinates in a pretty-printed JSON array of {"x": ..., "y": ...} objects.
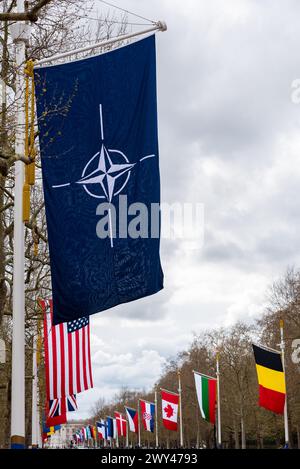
[{"x": 107, "y": 173}]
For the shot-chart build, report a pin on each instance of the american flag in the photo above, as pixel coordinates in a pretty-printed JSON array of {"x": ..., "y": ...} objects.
[{"x": 67, "y": 355}]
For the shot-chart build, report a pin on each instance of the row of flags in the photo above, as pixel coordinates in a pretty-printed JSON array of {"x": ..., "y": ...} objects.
[
  {"x": 68, "y": 369},
  {"x": 61, "y": 376},
  {"x": 272, "y": 396}
]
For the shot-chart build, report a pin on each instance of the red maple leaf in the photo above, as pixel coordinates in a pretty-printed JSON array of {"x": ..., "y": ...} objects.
[{"x": 169, "y": 411}]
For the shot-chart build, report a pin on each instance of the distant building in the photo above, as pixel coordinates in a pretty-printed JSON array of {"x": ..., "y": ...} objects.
[{"x": 63, "y": 437}]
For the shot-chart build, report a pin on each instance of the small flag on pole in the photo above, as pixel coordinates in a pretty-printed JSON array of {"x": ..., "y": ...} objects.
[
  {"x": 102, "y": 428},
  {"x": 271, "y": 379},
  {"x": 169, "y": 402},
  {"x": 148, "y": 415},
  {"x": 132, "y": 417},
  {"x": 206, "y": 389},
  {"x": 121, "y": 424},
  {"x": 111, "y": 428}
]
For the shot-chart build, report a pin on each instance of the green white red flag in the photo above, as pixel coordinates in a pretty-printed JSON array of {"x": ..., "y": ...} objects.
[{"x": 206, "y": 389}]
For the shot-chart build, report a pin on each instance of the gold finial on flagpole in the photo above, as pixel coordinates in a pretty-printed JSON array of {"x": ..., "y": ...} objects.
[{"x": 281, "y": 323}]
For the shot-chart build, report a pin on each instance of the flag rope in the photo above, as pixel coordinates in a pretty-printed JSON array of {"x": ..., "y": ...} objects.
[{"x": 127, "y": 11}]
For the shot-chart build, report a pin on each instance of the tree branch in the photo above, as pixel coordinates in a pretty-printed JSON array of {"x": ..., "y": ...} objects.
[{"x": 30, "y": 15}]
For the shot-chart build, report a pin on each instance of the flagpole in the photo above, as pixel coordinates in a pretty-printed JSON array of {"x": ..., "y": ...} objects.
[
  {"x": 34, "y": 419},
  {"x": 180, "y": 410},
  {"x": 156, "y": 420},
  {"x": 127, "y": 431},
  {"x": 117, "y": 436},
  {"x": 286, "y": 420},
  {"x": 159, "y": 26},
  {"x": 139, "y": 423},
  {"x": 19, "y": 33},
  {"x": 219, "y": 404}
]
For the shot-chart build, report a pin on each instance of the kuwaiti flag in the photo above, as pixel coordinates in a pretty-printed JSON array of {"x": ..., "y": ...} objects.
[
  {"x": 169, "y": 403},
  {"x": 98, "y": 136},
  {"x": 147, "y": 415},
  {"x": 132, "y": 417}
]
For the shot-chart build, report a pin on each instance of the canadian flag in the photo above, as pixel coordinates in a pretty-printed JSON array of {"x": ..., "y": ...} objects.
[{"x": 169, "y": 403}]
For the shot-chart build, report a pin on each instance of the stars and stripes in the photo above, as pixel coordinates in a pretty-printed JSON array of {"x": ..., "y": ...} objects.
[{"x": 67, "y": 355}]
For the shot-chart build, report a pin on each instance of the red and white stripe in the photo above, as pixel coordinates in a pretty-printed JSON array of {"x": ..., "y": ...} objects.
[{"x": 67, "y": 357}]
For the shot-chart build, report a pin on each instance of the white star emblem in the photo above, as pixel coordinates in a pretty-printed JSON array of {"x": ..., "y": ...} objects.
[{"x": 106, "y": 174}]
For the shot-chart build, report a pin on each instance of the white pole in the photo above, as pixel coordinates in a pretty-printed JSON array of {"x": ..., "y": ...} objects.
[
  {"x": 139, "y": 423},
  {"x": 117, "y": 436},
  {"x": 219, "y": 404},
  {"x": 18, "y": 31},
  {"x": 39, "y": 435},
  {"x": 159, "y": 26},
  {"x": 127, "y": 433},
  {"x": 286, "y": 420},
  {"x": 180, "y": 410},
  {"x": 156, "y": 420},
  {"x": 34, "y": 420}
]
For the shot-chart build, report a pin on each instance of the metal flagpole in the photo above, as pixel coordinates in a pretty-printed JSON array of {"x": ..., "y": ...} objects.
[
  {"x": 156, "y": 420},
  {"x": 219, "y": 404},
  {"x": 286, "y": 420},
  {"x": 19, "y": 34},
  {"x": 139, "y": 424},
  {"x": 34, "y": 418},
  {"x": 159, "y": 26},
  {"x": 127, "y": 432},
  {"x": 117, "y": 436},
  {"x": 180, "y": 410}
]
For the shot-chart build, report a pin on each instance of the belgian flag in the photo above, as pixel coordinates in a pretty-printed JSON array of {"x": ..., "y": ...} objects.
[{"x": 271, "y": 379}]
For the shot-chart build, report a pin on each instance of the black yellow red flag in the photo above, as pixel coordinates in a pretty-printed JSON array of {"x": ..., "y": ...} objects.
[{"x": 271, "y": 379}]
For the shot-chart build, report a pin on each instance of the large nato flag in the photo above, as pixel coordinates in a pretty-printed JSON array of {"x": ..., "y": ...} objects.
[{"x": 97, "y": 120}]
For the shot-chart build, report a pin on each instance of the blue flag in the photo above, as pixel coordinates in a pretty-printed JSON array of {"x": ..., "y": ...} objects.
[
  {"x": 110, "y": 427},
  {"x": 97, "y": 121}
]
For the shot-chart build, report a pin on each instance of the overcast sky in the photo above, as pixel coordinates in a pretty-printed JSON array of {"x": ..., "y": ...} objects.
[{"x": 230, "y": 139}]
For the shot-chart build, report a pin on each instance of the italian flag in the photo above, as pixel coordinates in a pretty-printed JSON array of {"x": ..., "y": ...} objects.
[{"x": 206, "y": 388}]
